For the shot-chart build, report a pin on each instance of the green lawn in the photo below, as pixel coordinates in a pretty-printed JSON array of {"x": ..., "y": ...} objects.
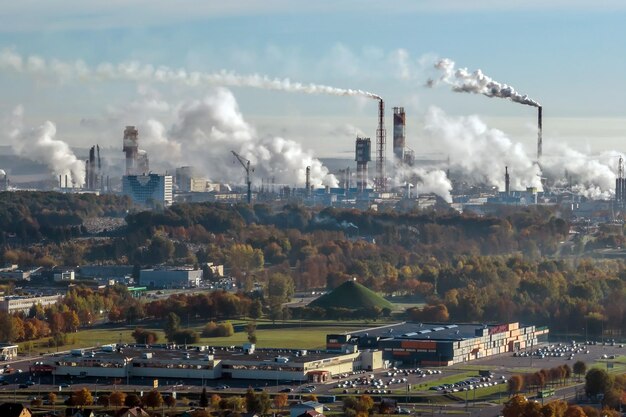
[{"x": 291, "y": 338}]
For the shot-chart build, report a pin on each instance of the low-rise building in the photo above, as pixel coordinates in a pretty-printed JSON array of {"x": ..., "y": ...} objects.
[
  {"x": 61, "y": 276},
  {"x": 205, "y": 363},
  {"x": 170, "y": 278},
  {"x": 307, "y": 407},
  {"x": 440, "y": 344},
  {"x": 16, "y": 304},
  {"x": 8, "y": 352}
]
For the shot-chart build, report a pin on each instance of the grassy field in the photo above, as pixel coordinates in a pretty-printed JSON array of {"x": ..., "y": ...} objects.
[{"x": 313, "y": 337}]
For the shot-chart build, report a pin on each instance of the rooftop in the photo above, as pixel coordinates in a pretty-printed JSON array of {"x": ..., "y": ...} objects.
[
  {"x": 425, "y": 331},
  {"x": 179, "y": 353}
]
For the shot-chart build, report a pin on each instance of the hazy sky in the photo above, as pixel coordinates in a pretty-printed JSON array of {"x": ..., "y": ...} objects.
[{"x": 568, "y": 55}]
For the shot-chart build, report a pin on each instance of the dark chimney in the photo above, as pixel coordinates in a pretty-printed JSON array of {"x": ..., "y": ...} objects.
[{"x": 507, "y": 182}]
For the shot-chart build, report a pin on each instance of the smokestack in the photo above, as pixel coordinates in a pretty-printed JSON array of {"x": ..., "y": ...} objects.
[
  {"x": 399, "y": 134},
  {"x": 507, "y": 181},
  {"x": 308, "y": 181},
  {"x": 60, "y": 181},
  {"x": 620, "y": 183},
  {"x": 87, "y": 173},
  {"x": 66, "y": 181},
  {"x": 381, "y": 179},
  {"x": 539, "y": 132}
]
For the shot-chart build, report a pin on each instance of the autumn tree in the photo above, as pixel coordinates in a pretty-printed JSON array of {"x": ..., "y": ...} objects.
[
  {"x": 153, "y": 399},
  {"x": 281, "y": 400},
  {"x": 515, "y": 384},
  {"x": 170, "y": 401},
  {"x": 132, "y": 400},
  {"x": 117, "y": 398},
  {"x": 82, "y": 397}
]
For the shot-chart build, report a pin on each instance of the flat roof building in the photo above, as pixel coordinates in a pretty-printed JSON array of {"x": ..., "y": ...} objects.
[
  {"x": 209, "y": 363},
  {"x": 16, "y": 304},
  {"x": 170, "y": 278},
  {"x": 439, "y": 344}
]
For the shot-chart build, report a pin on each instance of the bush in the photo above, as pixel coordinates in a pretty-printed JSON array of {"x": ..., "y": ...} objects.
[
  {"x": 185, "y": 337},
  {"x": 218, "y": 330}
]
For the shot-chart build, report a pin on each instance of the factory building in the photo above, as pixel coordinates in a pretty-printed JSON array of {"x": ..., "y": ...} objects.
[
  {"x": 18, "y": 304},
  {"x": 363, "y": 155},
  {"x": 437, "y": 344},
  {"x": 204, "y": 363},
  {"x": 170, "y": 278},
  {"x": 148, "y": 189}
]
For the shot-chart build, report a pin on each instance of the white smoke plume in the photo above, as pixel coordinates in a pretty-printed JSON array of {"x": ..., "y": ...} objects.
[
  {"x": 463, "y": 81},
  {"x": 593, "y": 177},
  {"x": 207, "y": 130},
  {"x": 424, "y": 180},
  {"x": 133, "y": 71},
  {"x": 480, "y": 154},
  {"x": 40, "y": 144}
]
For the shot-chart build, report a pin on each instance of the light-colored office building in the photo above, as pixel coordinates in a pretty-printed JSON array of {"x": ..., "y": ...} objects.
[{"x": 15, "y": 304}]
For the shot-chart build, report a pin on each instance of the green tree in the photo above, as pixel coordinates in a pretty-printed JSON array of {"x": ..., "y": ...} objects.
[
  {"x": 580, "y": 368},
  {"x": 251, "y": 331},
  {"x": 597, "y": 381},
  {"x": 172, "y": 324},
  {"x": 280, "y": 286},
  {"x": 256, "y": 309}
]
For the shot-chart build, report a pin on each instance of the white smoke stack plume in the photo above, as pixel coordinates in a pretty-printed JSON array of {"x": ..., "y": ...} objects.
[
  {"x": 479, "y": 154},
  {"x": 425, "y": 180},
  {"x": 207, "y": 130},
  {"x": 133, "y": 71},
  {"x": 40, "y": 145},
  {"x": 463, "y": 81}
]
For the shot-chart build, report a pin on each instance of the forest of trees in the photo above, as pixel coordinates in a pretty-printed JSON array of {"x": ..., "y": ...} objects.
[{"x": 507, "y": 266}]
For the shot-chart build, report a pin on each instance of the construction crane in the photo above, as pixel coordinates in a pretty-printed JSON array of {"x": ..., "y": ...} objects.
[{"x": 245, "y": 163}]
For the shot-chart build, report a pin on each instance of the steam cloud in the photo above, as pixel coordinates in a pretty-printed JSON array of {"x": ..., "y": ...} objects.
[
  {"x": 463, "y": 81},
  {"x": 40, "y": 144},
  {"x": 424, "y": 180},
  {"x": 207, "y": 130},
  {"x": 134, "y": 71},
  {"x": 480, "y": 154}
]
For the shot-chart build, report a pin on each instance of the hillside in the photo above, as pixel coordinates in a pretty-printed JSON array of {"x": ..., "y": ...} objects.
[{"x": 351, "y": 295}]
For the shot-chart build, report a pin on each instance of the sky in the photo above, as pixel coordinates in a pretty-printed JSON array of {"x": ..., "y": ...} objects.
[{"x": 568, "y": 55}]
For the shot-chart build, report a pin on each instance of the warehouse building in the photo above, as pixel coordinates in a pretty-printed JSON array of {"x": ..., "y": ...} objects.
[
  {"x": 205, "y": 363},
  {"x": 437, "y": 344},
  {"x": 170, "y": 278}
]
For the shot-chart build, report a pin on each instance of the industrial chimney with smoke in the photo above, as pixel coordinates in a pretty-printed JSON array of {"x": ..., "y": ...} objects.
[
  {"x": 620, "y": 184},
  {"x": 539, "y": 132},
  {"x": 93, "y": 167},
  {"x": 363, "y": 155}
]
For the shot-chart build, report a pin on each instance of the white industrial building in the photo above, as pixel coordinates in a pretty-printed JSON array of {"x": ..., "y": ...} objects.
[
  {"x": 214, "y": 363},
  {"x": 16, "y": 304},
  {"x": 170, "y": 278},
  {"x": 148, "y": 189}
]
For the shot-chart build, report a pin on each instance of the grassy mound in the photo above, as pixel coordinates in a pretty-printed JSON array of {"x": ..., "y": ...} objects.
[{"x": 351, "y": 295}]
